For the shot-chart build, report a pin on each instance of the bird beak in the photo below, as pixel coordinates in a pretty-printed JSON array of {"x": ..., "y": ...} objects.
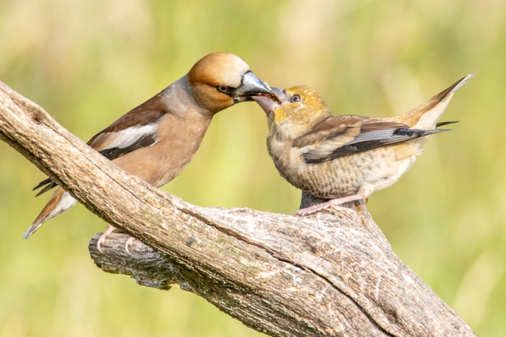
[
  {"x": 250, "y": 87},
  {"x": 270, "y": 104}
]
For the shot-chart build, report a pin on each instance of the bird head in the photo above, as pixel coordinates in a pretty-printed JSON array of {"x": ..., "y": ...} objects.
[
  {"x": 219, "y": 80},
  {"x": 296, "y": 111}
]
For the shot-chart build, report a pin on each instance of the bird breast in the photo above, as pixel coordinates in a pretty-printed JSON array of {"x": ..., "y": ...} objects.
[
  {"x": 343, "y": 176},
  {"x": 179, "y": 139}
]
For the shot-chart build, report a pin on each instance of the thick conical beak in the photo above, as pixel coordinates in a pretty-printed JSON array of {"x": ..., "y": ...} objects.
[
  {"x": 250, "y": 87},
  {"x": 270, "y": 104}
]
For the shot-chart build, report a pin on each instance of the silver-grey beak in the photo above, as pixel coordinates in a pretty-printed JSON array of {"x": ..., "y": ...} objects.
[
  {"x": 279, "y": 93},
  {"x": 269, "y": 104},
  {"x": 250, "y": 87}
]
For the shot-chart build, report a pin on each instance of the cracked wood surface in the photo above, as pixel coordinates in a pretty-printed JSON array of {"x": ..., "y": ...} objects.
[{"x": 323, "y": 275}]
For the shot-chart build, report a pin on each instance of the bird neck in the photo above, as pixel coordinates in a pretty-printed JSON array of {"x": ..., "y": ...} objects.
[
  {"x": 289, "y": 130},
  {"x": 180, "y": 95}
]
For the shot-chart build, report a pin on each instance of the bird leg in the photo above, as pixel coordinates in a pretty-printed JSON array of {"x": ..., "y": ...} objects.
[
  {"x": 104, "y": 236},
  {"x": 363, "y": 193}
]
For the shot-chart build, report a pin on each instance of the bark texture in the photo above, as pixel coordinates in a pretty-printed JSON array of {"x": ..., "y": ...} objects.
[{"x": 322, "y": 275}]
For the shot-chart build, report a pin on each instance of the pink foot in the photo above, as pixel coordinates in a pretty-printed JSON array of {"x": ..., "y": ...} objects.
[
  {"x": 128, "y": 244},
  {"x": 326, "y": 205},
  {"x": 363, "y": 193},
  {"x": 104, "y": 236}
]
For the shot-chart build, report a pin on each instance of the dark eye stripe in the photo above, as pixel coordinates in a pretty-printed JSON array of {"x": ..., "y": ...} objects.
[{"x": 224, "y": 89}]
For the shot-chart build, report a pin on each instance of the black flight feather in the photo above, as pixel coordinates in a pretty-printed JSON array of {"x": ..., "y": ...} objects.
[{"x": 398, "y": 136}]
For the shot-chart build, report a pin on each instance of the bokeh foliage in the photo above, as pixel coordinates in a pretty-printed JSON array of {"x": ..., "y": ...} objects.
[{"x": 89, "y": 62}]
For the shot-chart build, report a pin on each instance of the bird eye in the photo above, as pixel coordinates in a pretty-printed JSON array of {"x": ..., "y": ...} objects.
[
  {"x": 295, "y": 99},
  {"x": 223, "y": 88}
]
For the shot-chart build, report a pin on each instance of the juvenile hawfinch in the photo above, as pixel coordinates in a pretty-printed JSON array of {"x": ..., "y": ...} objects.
[
  {"x": 157, "y": 139},
  {"x": 345, "y": 158}
]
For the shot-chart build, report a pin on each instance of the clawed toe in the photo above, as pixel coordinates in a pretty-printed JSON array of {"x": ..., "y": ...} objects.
[
  {"x": 328, "y": 205},
  {"x": 128, "y": 244},
  {"x": 104, "y": 236},
  {"x": 352, "y": 214}
]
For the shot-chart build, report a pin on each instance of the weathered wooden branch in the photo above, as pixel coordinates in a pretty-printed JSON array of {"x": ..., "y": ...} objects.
[{"x": 324, "y": 275}]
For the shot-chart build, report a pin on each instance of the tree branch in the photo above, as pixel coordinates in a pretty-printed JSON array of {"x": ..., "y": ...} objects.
[{"x": 324, "y": 275}]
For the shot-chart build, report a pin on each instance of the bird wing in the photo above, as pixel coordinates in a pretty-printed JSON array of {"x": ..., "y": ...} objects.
[
  {"x": 335, "y": 130},
  {"x": 135, "y": 130},
  {"x": 129, "y": 133},
  {"x": 340, "y": 136}
]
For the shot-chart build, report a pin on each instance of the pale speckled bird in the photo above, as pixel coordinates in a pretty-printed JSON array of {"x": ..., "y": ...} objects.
[
  {"x": 345, "y": 158},
  {"x": 156, "y": 140}
]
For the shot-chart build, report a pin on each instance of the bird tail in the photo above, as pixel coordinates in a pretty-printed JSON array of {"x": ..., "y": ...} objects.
[
  {"x": 427, "y": 115},
  {"x": 59, "y": 203}
]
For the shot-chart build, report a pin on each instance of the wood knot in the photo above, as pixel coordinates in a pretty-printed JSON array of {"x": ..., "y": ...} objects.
[{"x": 36, "y": 116}]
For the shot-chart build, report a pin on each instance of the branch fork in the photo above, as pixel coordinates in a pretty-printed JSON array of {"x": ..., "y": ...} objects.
[{"x": 321, "y": 275}]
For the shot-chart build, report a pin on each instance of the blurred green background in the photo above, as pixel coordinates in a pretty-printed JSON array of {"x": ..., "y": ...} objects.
[{"x": 88, "y": 62}]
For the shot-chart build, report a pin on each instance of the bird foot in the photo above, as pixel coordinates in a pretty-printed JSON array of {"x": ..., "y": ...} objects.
[
  {"x": 108, "y": 232},
  {"x": 326, "y": 205},
  {"x": 104, "y": 236},
  {"x": 128, "y": 244},
  {"x": 363, "y": 193}
]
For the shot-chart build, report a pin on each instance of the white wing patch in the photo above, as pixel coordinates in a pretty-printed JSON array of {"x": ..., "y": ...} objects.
[{"x": 123, "y": 138}]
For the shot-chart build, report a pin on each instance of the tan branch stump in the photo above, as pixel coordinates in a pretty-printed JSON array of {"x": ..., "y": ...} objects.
[{"x": 324, "y": 275}]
